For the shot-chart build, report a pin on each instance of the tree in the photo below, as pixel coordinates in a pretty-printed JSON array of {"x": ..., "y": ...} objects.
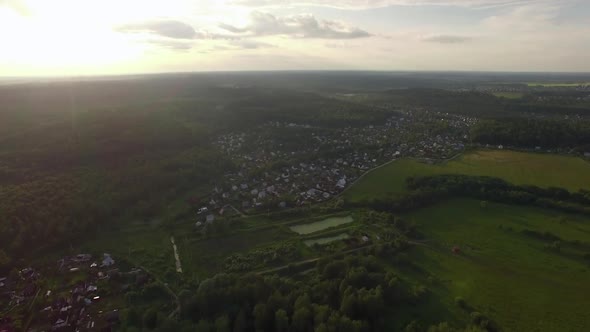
[
  {"x": 222, "y": 324},
  {"x": 302, "y": 320},
  {"x": 133, "y": 318},
  {"x": 203, "y": 326},
  {"x": 262, "y": 321},
  {"x": 4, "y": 259},
  {"x": 240, "y": 322},
  {"x": 150, "y": 319},
  {"x": 281, "y": 320}
]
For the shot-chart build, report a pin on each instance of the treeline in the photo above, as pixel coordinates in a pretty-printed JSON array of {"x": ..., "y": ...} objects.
[
  {"x": 494, "y": 189},
  {"x": 353, "y": 294},
  {"x": 532, "y": 133},
  {"x": 428, "y": 190}
]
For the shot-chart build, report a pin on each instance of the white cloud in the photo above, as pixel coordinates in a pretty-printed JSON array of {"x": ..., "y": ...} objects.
[
  {"x": 301, "y": 26},
  {"x": 166, "y": 28},
  {"x": 366, "y": 4},
  {"x": 447, "y": 39}
]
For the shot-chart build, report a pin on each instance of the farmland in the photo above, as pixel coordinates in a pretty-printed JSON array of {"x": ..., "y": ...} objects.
[
  {"x": 509, "y": 95},
  {"x": 543, "y": 170},
  {"x": 557, "y": 84},
  {"x": 517, "y": 280}
]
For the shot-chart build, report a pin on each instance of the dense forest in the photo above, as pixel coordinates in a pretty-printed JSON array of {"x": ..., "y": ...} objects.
[
  {"x": 352, "y": 294},
  {"x": 531, "y": 133}
]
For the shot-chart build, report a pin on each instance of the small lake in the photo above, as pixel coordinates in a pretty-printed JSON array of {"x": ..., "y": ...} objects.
[
  {"x": 324, "y": 240},
  {"x": 321, "y": 225}
]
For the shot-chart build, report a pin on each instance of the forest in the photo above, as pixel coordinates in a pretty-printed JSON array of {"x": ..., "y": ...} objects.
[{"x": 84, "y": 165}]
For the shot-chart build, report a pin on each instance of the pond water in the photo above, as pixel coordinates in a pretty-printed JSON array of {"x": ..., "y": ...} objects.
[
  {"x": 324, "y": 240},
  {"x": 321, "y": 225}
]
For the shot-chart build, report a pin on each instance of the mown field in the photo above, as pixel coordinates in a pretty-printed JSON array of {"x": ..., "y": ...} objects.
[
  {"x": 543, "y": 170},
  {"x": 509, "y": 95},
  {"x": 501, "y": 272},
  {"x": 549, "y": 84}
]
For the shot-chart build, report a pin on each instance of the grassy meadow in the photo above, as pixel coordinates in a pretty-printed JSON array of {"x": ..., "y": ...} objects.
[
  {"x": 543, "y": 170},
  {"x": 510, "y": 277},
  {"x": 509, "y": 95},
  {"x": 533, "y": 84}
]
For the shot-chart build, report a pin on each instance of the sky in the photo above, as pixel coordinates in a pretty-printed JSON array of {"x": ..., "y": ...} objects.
[{"x": 82, "y": 37}]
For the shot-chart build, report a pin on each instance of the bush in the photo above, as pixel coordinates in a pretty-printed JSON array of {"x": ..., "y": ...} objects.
[{"x": 460, "y": 302}]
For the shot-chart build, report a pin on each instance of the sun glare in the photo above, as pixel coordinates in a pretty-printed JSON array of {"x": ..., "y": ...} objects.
[{"x": 66, "y": 35}]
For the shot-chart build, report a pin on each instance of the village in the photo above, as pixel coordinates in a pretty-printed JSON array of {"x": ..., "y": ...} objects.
[
  {"x": 78, "y": 293},
  {"x": 284, "y": 165}
]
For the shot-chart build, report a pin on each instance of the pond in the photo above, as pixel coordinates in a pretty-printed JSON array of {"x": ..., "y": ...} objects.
[
  {"x": 321, "y": 225},
  {"x": 324, "y": 240}
]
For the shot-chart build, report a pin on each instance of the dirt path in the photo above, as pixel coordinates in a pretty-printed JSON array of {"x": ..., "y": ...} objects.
[{"x": 176, "y": 257}]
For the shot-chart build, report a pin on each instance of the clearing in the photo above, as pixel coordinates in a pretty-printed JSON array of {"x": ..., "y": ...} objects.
[
  {"x": 321, "y": 225},
  {"x": 512, "y": 277},
  {"x": 543, "y": 170},
  {"x": 509, "y": 95}
]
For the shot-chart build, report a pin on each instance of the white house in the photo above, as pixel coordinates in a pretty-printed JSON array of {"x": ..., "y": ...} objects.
[{"x": 107, "y": 260}]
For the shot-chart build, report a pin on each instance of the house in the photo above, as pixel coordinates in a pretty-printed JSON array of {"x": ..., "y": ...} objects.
[
  {"x": 210, "y": 218},
  {"x": 283, "y": 205},
  {"x": 81, "y": 258},
  {"x": 107, "y": 260},
  {"x": 341, "y": 183},
  {"x": 587, "y": 154},
  {"x": 501, "y": 147}
]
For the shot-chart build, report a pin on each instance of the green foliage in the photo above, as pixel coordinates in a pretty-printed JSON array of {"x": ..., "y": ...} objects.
[
  {"x": 150, "y": 319},
  {"x": 532, "y": 133}
]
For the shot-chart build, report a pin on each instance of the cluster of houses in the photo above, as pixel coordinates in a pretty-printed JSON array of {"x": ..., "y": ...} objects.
[
  {"x": 74, "y": 303},
  {"x": 315, "y": 164}
]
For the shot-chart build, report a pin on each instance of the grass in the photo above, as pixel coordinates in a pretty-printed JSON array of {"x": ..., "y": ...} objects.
[
  {"x": 549, "y": 84},
  {"x": 509, "y": 95},
  {"x": 507, "y": 276},
  {"x": 325, "y": 240},
  {"x": 544, "y": 170},
  {"x": 321, "y": 225}
]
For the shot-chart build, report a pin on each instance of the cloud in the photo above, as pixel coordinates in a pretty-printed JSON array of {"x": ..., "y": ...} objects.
[
  {"x": 249, "y": 44},
  {"x": 367, "y": 4},
  {"x": 166, "y": 28},
  {"x": 172, "y": 44},
  {"x": 301, "y": 26},
  {"x": 16, "y": 5},
  {"x": 447, "y": 39}
]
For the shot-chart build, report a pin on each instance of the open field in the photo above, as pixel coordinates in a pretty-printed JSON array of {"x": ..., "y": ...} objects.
[
  {"x": 325, "y": 240},
  {"x": 510, "y": 277},
  {"x": 520, "y": 168},
  {"x": 549, "y": 84},
  {"x": 509, "y": 95},
  {"x": 321, "y": 225}
]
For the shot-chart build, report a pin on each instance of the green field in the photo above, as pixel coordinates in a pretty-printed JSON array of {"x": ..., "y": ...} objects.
[
  {"x": 321, "y": 225},
  {"x": 325, "y": 240},
  {"x": 549, "y": 84},
  {"x": 509, "y": 95},
  {"x": 500, "y": 272},
  {"x": 542, "y": 170}
]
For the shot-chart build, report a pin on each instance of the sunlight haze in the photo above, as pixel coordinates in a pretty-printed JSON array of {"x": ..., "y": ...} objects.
[{"x": 79, "y": 37}]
